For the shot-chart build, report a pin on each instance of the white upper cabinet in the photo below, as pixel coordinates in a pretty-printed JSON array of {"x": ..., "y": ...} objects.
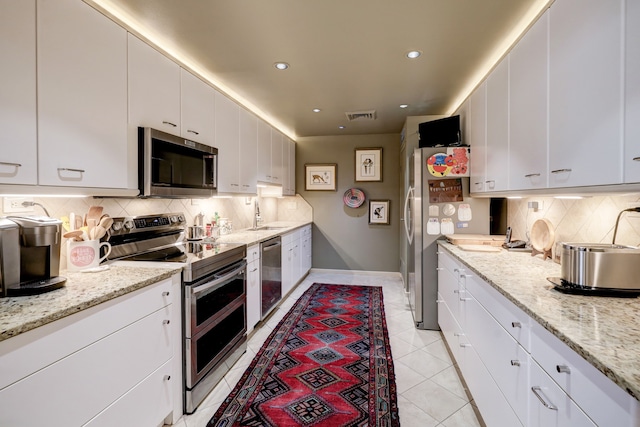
[
  {"x": 18, "y": 156},
  {"x": 82, "y": 96},
  {"x": 463, "y": 112},
  {"x": 227, "y": 124},
  {"x": 477, "y": 138},
  {"x": 585, "y": 93},
  {"x": 264, "y": 151},
  {"x": 197, "y": 107},
  {"x": 277, "y": 171},
  {"x": 154, "y": 90},
  {"x": 497, "y": 157},
  {"x": 528, "y": 78},
  {"x": 248, "y": 159},
  {"x": 632, "y": 93},
  {"x": 289, "y": 185}
]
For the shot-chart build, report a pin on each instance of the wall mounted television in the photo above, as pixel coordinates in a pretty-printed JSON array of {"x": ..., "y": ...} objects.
[{"x": 440, "y": 133}]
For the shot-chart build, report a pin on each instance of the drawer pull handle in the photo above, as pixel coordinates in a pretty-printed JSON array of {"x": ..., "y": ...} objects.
[
  {"x": 465, "y": 299},
  {"x": 439, "y": 268},
  {"x": 458, "y": 291},
  {"x": 164, "y": 122},
  {"x": 516, "y": 325},
  {"x": 531, "y": 175},
  {"x": 71, "y": 170},
  {"x": 538, "y": 392},
  {"x": 167, "y": 377},
  {"x": 193, "y": 132},
  {"x": 561, "y": 171},
  {"x": 255, "y": 269},
  {"x": 515, "y": 363},
  {"x": 166, "y": 322},
  {"x": 563, "y": 369},
  {"x": 458, "y": 270},
  {"x": 439, "y": 301},
  {"x": 16, "y": 165},
  {"x": 166, "y": 293},
  {"x": 458, "y": 334},
  {"x": 466, "y": 275},
  {"x": 465, "y": 345}
]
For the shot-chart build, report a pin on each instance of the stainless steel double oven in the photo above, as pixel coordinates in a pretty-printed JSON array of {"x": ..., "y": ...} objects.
[{"x": 214, "y": 294}]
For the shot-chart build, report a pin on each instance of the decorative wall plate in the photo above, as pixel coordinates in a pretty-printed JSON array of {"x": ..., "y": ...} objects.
[{"x": 353, "y": 197}]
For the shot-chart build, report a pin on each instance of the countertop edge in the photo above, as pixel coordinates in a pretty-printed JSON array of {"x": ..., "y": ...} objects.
[
  {"x": 84, "y": 304},
  {"x": 630, "y": 388}
]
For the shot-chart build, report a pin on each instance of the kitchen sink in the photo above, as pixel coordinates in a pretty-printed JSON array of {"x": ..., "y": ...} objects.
[{"x": 267, "y": 228}]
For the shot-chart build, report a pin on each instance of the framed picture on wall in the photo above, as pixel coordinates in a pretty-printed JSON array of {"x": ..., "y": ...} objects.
[
  {"x": 320, "y": 177},
  {"x": 379, "y": 212},
  {"x": 368, "y": 164}
]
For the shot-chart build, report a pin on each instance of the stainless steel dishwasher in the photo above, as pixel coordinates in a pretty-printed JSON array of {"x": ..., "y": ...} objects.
[{"x": 271, "y": 280}]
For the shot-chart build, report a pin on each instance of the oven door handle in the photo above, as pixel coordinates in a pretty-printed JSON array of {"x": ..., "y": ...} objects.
[{"x": 220, "y": 280}]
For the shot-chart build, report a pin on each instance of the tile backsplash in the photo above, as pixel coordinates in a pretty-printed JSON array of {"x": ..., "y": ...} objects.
[
  {"x": 239, "y": 210},
  {"x": 588, "y": 220}
]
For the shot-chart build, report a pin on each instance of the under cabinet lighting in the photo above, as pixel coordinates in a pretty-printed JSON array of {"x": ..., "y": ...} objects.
[{"x": 569, "y": 197}]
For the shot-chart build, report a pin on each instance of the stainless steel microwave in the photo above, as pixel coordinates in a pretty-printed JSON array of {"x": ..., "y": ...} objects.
[{"x": 174, "y": 167}]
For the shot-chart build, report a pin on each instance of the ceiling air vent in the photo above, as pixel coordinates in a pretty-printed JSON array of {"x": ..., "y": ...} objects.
[{"x": 361, "y": 115}]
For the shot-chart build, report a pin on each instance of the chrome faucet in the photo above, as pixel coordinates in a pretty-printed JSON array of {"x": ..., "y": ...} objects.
[{"x": 256, "y": 215}]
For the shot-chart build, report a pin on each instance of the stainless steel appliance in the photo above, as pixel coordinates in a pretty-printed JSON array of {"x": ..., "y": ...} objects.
[
  {"x": 171, "y": 166},
  {"x": 271, "y": 269},
  {"x": 214, "y": 294},
  {"x": 422, "y": 259},
  {"x": 30, "y": 255},
  {"x": 599, "y": 269}
]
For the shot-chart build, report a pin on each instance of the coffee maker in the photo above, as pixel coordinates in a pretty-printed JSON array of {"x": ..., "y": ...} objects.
[{"x": 30, "y": 255}]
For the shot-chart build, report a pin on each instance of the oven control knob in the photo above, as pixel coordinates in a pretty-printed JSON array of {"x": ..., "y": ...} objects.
[
  {"x": 180, "y": 218},
  {"x": 128, "y": 224},
  {"x": 117, "y": 226},
  {"x": 173, "y": 219}
]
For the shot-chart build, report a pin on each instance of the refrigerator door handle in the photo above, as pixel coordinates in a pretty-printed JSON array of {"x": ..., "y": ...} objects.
[{"x": 408, "y": 226}]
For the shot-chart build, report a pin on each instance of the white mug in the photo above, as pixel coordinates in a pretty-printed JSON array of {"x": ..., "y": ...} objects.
[{"x": 85, "y": 254}]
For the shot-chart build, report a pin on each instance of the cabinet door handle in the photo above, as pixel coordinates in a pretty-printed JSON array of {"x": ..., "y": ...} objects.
[
  {"x": 193, "y": 132},
  {"x": 17, "y": 165},
  {"x": 166, "y": 321},
  {"x": 166, "y": 293},
  {"x": 636, "y": 159},
  {"x": 439, "y": 268},
  {"x": 167, "y": 377},
  {"x": 164, "y": 122},
  {"x": 458, "y": 291},
  {"x": 516, "y": 325},
  {"x": 490, "y": 181},
  {"x": 561, "y": 171},
  {"x": 537, "y": 390},
  {"x": 563, "y": 369},
  {"x": 439, "y": 301},
  {"x": 515, "y": 363},
  {"x": 71, "y": 170},
  {"x": 465, "y": 345},
  {"x": 465, "y": 299},
  {"x": 466, "y": 275},
  {"x": 458, "y": 334},
  {"x": 255, "y": 269},
  {"x": 531, "y": 175}
]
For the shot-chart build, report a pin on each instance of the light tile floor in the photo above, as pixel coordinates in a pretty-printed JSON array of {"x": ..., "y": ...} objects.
[{"x": 430, "y": 392}]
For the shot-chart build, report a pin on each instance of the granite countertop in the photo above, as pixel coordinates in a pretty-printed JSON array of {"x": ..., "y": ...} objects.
[
  {"x": 251, "y": 237},
  {"x": 605, "y": 331},
  {"x": 81, "y": 291}
]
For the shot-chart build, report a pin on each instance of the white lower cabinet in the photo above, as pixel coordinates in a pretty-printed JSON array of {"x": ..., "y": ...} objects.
[
  {"x": 100, "y": 371},
  {"x": 254, "y": 283},
  {"x": 296, "y": 257},
  {"x": 550, "y": 406},
  {"x": 516, "y": 368}
]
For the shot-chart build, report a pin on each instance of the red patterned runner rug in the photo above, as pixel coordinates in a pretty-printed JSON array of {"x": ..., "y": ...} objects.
[{"x": 327, "y": 363}]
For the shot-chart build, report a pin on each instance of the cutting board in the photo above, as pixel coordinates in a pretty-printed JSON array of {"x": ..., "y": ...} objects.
[
  {"x": 480, "y": 248},
  {"x": 475, "y": 239}
]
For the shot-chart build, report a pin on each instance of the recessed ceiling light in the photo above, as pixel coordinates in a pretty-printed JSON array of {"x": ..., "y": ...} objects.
[
  {"x": 281, "y": 65},
  {"x": 341, "y": 127},
  {"x": 404, "y": 105},
  {"x": 413, "y": 54},
  {"x": 316, "y": 110}
]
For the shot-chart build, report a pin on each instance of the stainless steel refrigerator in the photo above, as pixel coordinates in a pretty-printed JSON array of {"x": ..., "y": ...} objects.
[{"x": 465, "y": 216}]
